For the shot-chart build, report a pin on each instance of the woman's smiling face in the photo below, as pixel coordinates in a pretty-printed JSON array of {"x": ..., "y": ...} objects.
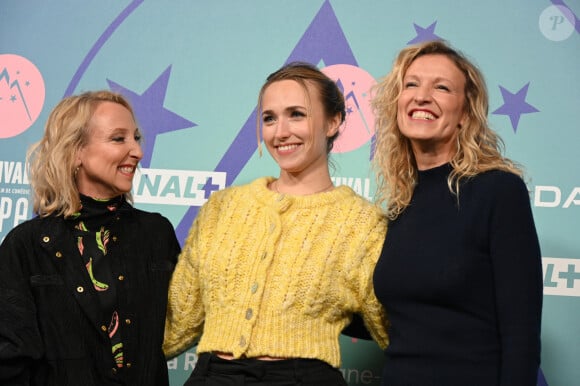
[
  {"x": 294, "y": 126},
  {"x": 431, "y": 107},
  {"x": 108, "y": 160}
]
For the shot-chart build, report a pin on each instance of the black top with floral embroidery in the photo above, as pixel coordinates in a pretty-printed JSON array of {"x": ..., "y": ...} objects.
[
  {"x": 93, "y": 225},
  {"x": 72, "y": 290}
]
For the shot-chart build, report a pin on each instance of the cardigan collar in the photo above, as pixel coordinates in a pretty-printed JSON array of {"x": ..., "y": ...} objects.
[{"x": 259, "y": 190}]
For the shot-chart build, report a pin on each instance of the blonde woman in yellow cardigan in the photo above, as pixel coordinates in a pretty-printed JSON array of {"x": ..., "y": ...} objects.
[{"x": 272, "y": 271}]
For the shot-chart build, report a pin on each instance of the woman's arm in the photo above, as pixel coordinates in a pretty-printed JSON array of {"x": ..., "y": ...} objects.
[
  {"x": 185, "y": 311},
  {"x": 20, "y": 340},
  {"x": 517, "y": 270}
]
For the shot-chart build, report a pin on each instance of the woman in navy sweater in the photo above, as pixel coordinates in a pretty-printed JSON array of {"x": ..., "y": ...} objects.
[{"x": 460, "y": 273}]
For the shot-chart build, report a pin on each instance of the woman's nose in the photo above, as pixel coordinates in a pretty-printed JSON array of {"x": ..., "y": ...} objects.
[
  {"x": 136, "y": 150},
  {"x": 422, "y": 95},
  {"x": 282, "y": 128}
]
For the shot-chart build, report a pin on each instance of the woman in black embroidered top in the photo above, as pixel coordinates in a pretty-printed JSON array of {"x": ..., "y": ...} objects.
[
  {"x": 460, "y": 274},
  {"x": 83, "y": 286}
]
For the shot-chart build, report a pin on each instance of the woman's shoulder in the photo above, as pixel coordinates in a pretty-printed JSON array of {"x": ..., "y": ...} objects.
[
  {"x": 29, "y": 229},
  {"x": 498, "y": 184},
  {"x": 243, "y": 192},
  {"x": 151, "y": 219},
  {"x": 353, "y": 199},
  {"x": 360, "y": 211},
  {"x": 37, "y": 223},
  {"x": 233, "y": 197},
  {"x": 500, "y": 179}
]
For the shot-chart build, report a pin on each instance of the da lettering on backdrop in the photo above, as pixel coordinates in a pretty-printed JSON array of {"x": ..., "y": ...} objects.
[
  {"x": 556, "y": 197},
  {"x": 176, "y": 187}
]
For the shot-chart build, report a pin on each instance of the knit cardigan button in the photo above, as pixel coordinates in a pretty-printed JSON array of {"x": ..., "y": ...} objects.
[{"x": 249, "y": 313}]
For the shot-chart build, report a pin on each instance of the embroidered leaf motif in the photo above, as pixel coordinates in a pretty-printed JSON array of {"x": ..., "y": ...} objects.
[
  {"x": 80, "y": 244},
  {"x": 118, "y": 347},
  {"x": 77, "y": 214},
  {"x": 81, "y": 226},
  {"x": 99, "y": 286},
  {"x": 118, "y": 354},
  {"x": 102, "y": 237},
  {"x": 114, "y": 324}
]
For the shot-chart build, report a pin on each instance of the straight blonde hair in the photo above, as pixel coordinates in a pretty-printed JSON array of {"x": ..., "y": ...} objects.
[{"x": 52, "y": 160}]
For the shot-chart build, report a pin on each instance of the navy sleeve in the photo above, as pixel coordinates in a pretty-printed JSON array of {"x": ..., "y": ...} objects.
[{"x": 517, "y": 269}]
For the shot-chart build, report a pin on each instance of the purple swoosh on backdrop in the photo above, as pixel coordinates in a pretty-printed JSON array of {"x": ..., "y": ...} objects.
[
  {"x": 98, "y": 44},
  {"x": 573, "y": 19}
]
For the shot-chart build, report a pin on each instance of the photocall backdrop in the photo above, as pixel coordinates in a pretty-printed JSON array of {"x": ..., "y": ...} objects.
[{"x": 193, "y": 69}]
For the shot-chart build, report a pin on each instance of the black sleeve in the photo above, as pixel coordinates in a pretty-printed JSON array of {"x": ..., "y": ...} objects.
[
  {"x": 20, "y": 340},
  {"x": 517, "y": 268}
]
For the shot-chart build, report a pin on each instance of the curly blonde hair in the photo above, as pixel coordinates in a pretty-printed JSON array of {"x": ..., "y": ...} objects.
[
  {"x": 52, "y": 160},
  {"x": 478, "y": 147}
]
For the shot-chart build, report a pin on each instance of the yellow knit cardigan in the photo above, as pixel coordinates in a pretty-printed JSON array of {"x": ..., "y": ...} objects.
[{"x": 268, "y": 274}]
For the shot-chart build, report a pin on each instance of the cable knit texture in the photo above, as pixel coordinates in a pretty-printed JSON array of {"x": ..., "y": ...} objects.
[{"x": 268, "y": 274}]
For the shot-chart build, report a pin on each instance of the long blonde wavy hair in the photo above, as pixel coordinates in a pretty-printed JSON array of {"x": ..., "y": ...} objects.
[
  {"x": 52, "y": 160},
  {"x": 478, "y": 147}
]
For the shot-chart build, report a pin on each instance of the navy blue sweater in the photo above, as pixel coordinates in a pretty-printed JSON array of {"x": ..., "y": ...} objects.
[{"x": 461, "y": 282}]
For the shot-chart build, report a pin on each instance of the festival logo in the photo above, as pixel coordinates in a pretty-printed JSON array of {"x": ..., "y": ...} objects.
[
  {"x": 21, "y": 94},
  {"x": 358, "y": 127}
]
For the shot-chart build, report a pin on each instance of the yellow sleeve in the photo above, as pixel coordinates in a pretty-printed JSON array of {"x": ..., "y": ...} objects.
[{"x": 185, "y": 311}]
